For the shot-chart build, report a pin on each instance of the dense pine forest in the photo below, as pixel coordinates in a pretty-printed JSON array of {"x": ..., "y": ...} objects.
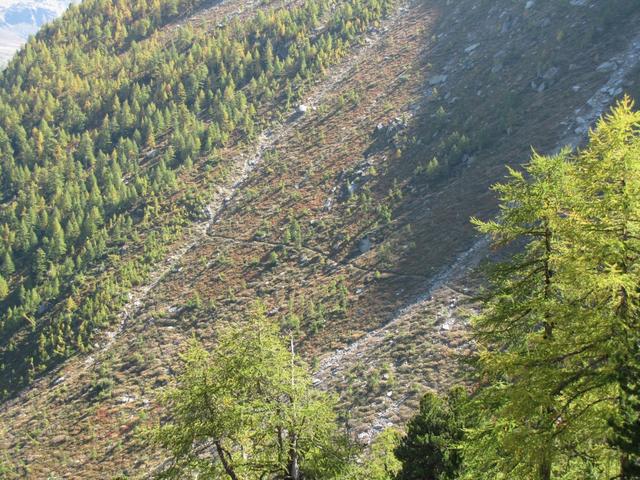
[{"x": 322, "y": 239}]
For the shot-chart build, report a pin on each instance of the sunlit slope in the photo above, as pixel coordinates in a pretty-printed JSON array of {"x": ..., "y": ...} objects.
[{"x": 336, "y": 190}]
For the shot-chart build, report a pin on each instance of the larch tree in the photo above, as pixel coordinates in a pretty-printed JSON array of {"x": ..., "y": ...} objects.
[
  {"x": 559, "y": 336},
  {"x": 518, "y": 329},
  {"x": 247, "y": 410},
  {"x": 608, "y": 256}
]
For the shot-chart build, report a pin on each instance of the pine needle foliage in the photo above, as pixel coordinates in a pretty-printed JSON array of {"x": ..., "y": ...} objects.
[
  {"x": 247, "y": 409},
  {"x": 558, "y": 338}
]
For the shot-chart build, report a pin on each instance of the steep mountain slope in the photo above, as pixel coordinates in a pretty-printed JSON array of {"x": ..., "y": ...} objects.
[
  {"x": 19, "y": 19},
  {"x": 345, "y": 211}
]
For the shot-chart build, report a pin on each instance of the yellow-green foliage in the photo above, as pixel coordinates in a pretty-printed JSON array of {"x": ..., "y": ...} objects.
[{"x": 561, "y": 321}]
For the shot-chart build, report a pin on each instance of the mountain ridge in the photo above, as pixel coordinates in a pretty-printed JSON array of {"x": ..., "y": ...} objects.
[{"x": 21, "y": 18}]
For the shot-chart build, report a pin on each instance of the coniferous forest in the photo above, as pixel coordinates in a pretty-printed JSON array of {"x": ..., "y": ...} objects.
[
  {"x": 322, "y": 239},
  {"x": 91, "y": 137}
]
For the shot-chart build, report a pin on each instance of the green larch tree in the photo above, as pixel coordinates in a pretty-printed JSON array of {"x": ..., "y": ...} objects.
[
  {"x": 518, "y": 327},
  {"x": 247, "y": 410},
  {"x": 560, "y": 324},
  {"x": 608, "y": 258}
]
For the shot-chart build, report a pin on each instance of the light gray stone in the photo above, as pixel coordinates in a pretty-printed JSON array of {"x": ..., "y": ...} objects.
[
  {"x": 607, "y": 67},
  {"x": 471, "y": 48},
  {"x": 437, "y": 80},
  {"x": 551, "y": 73},
  {"x": 364, "y": 245}
]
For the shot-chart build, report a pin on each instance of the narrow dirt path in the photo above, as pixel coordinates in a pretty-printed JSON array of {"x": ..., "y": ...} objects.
[
  {"x": 341, "y": 359},
  {"x": 242, "y": 168}
]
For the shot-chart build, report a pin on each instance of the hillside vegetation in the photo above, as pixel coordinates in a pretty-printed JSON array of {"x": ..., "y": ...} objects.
[
  {"x": 87, "y": 157},
  {"x": 167, "y": 163}
]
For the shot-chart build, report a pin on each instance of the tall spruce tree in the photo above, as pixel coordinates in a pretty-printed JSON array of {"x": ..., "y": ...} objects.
[{"x": 430, "y": 447}]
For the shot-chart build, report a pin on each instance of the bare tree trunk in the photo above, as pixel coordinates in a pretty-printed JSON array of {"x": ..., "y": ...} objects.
[
  {"x": 225, "y": 463},
  {"x": 293, "y": 469},
  {"x": 545, "y": 470},
  {"x": 624, "y": 465}
]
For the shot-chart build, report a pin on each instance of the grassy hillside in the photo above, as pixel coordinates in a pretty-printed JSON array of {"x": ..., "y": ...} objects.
[{"x": 164, "y": 165}]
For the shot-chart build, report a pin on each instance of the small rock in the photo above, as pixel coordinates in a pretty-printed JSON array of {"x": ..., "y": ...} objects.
[
  {"x": 364, "y": 245},
  {"x": 530, "y": 4},
  {"x": 607, "y": 67},
  {"x": 59, "y": 439},
  {"x": 471, "y": 48},
  {"x": 614, "y": 91},
  {"x": 551, "y": 73},
  {"x": 437, "y": 80},
  {"x": 507, "y": 26},
  {"x": 126, "y": 398}
]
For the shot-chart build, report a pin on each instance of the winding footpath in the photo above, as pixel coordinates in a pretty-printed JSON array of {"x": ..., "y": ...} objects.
[{"x": 243, "y": 165}]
